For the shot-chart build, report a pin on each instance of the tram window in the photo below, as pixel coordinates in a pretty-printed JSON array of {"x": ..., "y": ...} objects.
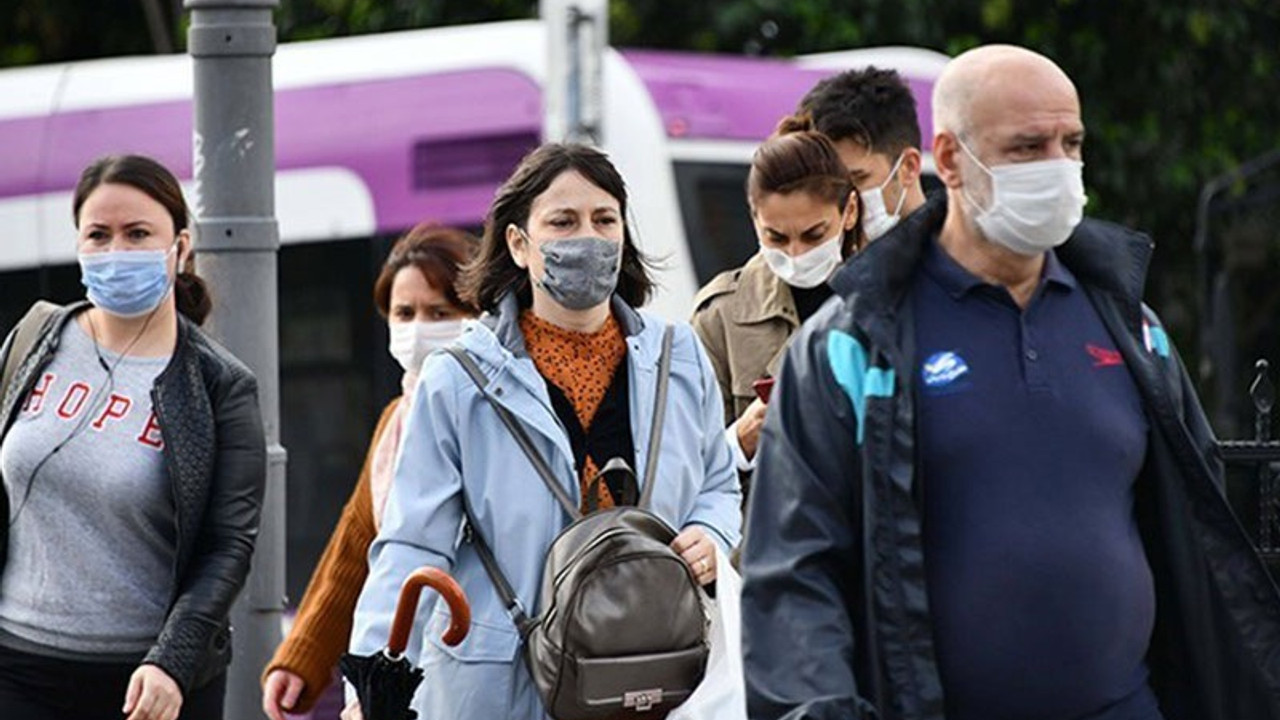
[{"x": 717, "y": 221}]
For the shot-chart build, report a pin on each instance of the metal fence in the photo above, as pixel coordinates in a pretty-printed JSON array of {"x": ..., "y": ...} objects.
[{"x": 1262, "y": 456}]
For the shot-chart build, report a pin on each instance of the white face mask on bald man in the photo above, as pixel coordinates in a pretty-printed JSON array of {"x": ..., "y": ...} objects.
[{"x": 1034, "y": 206}]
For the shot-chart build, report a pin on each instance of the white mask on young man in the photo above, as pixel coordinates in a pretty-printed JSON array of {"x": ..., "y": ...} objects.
[
  {"x": 876, "y": 218},
  {"x": 1034, "y": 207},
  {"x": 808, "y": 269}
]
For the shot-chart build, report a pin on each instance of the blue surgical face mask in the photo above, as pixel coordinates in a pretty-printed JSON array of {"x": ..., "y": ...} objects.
[{"x": 126, "y": 283}]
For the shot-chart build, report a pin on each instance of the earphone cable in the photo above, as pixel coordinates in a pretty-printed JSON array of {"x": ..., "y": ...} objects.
[{"x": 106, "y": 391}]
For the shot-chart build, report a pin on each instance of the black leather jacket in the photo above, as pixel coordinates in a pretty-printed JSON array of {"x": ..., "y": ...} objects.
[
  {"x": 206, "y": 402},
  {"x": 835, "y": 606}
]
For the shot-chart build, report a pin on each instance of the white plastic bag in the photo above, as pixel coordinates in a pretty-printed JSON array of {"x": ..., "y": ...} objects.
[{"x": 722, "y": 693}]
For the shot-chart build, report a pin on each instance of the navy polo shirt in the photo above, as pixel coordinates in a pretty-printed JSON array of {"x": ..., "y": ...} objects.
[{"x": 1031, "y": 436}]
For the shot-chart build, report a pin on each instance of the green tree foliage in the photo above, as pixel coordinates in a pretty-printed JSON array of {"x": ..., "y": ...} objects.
[
  {"x": 311, "y": 19},
  {"x": 41, "y": 31}
]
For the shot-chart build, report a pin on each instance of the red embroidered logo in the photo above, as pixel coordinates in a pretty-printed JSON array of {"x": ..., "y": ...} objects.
[{"x": 1102, "y": 357}]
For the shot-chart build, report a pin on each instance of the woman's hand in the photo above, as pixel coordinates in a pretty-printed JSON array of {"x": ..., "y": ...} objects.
[
  {"x": 280, "y": 692},
  {"x": 698, "y": 551},
  {"x": 748, "y": 426},
  {"x": 352, "y": 711},
  {"x": 152, "y": 695}
]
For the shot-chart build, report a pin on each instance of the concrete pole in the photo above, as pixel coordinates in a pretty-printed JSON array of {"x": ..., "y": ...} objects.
[
  {"x": 231, "y": 43},
  {"x": 573, "y": 99}
]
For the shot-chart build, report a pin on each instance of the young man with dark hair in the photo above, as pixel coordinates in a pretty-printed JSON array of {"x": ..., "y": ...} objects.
[{"x": 870, "y": 115}]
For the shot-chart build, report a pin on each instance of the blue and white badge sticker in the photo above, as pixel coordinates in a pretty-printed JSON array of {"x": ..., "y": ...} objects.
[{"x": 943, "y": 369}]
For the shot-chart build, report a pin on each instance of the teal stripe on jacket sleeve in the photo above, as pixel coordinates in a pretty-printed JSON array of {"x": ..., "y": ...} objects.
[
  {"x": 1159, "y": 341},
  {"x": 849, "y": 366}
]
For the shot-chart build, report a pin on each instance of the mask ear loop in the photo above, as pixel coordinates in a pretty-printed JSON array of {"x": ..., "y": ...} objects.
[
  {"x": 528, "y": 242},
  {"x": 177, "y": 270},
  {"x": 984, "y": 169},
  {"x": 902, "y": 188}
]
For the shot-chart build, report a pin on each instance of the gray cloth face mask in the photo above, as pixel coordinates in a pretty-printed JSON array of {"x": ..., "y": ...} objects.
[{"x": 582, "y": 272}]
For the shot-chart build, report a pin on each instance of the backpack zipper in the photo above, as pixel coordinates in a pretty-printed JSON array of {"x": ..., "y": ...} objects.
[
  {"x": 573, "y": 599},
  {"x": 601, "y": 539}
]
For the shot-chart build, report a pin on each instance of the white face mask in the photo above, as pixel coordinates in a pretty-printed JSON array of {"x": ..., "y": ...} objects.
[
  {"x": 1034, "y": 206},
  {"x": 412, "y": 342},
  {"x": 809, "y": 269},
  {"x": 876, "y": 219}
]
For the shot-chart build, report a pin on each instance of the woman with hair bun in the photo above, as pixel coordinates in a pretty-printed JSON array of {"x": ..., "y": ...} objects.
[
  {"x": 806, "y": 213},
  {"x": 133, "y": 461}
]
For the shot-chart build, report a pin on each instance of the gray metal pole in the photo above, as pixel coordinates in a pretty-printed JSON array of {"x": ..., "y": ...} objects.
[
  {"x": 231, "y": 43},
  {"x": 573, "y": 94}
]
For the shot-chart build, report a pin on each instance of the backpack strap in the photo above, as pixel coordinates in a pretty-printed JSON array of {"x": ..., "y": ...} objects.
[
  {"x": 659, "y": 414},
  {"x": 522, "y": 437},
  {"x": 519, "y": 616},
  {"x": 524, "y": 624},
  {"x": 25, "y": 335},
  {"x": 515, "y": 609},
  {"x": 630, "y": 486}
]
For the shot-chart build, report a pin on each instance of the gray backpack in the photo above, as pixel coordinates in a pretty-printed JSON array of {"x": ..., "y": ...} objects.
[{"x": 622, "y": 626}]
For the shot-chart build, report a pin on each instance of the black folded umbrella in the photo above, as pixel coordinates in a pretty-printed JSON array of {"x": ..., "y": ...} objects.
[
  {"x": 385, "y": 681},
  {"x": 384, "y": 684}
]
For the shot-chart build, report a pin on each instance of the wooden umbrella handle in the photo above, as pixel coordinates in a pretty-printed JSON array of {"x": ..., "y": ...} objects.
[{"x": 407, "y": 607}]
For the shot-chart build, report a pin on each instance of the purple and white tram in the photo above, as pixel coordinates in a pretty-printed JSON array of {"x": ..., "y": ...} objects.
[{"x": 374, "y": 134}]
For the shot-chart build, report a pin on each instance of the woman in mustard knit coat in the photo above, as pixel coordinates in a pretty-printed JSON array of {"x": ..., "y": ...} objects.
[{"x": 415, "y": 292}]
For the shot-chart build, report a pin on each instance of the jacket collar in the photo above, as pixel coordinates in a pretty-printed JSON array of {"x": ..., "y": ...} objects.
[
  {"x": 499, "y": 339},
  {"x": 1105, "y": 257},
  {"x": 1113, "y": 260},
  {"x": 497, "y": 342},
  {"x": 762, "y": 296},
  {"x": 505, "y": 322},
  {"x": 874, "y": 280}
]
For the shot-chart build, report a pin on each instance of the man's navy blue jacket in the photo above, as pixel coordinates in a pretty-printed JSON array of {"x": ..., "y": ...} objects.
[{"x": 835, "y": 608}]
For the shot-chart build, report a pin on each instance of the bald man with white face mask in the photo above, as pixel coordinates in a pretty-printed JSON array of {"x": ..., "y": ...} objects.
[{"x": 986, "y": 488}]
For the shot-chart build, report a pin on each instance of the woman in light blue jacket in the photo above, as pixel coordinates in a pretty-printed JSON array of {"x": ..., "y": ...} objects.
[{"x": 568, "y": 353}]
